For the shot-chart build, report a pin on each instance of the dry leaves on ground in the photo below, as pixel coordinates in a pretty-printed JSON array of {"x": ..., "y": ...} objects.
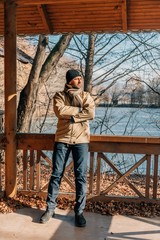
[{"x": 106, "y": 208}]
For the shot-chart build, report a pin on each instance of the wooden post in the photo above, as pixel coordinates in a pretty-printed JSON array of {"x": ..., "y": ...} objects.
[{"x": 10, "y": 95}]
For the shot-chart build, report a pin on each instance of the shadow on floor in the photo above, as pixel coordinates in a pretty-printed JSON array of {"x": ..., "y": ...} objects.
[
  {"x": 134, "y": 228},
  {"x": 24, "y": 224}
]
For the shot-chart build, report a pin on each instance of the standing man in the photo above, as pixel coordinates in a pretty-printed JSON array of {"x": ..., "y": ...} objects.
[{"x": 73, "y": 108}]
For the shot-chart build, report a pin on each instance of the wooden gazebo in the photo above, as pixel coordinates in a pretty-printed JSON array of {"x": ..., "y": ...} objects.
[{"x": 31, "y": 17}]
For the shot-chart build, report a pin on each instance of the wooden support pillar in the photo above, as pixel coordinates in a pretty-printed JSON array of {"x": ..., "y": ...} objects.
[{"x": 10, "y": 95}]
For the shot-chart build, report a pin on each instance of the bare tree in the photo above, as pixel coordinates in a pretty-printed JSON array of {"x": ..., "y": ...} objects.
[
  {"x": 89, "y": 63},
  {"x": 153, "y": 92},
  {"x": 40, "y": 72},
  {"x": 135, "y": 90},
  {"x": 116, "y": 58}
]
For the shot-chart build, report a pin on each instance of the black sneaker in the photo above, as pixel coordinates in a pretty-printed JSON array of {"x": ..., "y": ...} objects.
[
  {"x": 80, "y": 221},
  {"x": 46, "y": 216}
]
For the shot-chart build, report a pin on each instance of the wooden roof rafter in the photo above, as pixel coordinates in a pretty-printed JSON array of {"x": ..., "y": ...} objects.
[
  {"x": 45, "y": 18},
  {"x": 124, "y": 16}
]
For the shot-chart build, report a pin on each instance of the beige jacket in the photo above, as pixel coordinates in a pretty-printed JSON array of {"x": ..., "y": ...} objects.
[{"x": 73, "y": 124}]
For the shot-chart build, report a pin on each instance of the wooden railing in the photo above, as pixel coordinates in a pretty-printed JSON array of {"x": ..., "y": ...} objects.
[
  {"x": 2, "y": 163},
  {"x": 106, "y": 177},
  {"x": 101, "y": 184}
]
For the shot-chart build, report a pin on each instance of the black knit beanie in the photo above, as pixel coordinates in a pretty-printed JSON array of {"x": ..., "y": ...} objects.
[{"x": 70, "y": 74}]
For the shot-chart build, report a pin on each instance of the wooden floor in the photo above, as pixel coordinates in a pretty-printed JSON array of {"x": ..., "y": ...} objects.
[{"x": 24, "y": 224}]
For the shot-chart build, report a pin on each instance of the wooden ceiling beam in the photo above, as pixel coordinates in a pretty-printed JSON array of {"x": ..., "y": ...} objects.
[
  {"x": 46, "y": 2},
  {"x": 35, "y": 2},
  {"x": 124, "y": 16},
  {"x": 45, "y": 19}
]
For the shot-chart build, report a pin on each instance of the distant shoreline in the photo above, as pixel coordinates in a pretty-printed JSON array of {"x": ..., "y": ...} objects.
[{"x": 128, "y": 105}]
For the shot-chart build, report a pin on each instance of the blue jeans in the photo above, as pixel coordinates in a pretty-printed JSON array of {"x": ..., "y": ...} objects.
[{"x": 60, "y": 157}]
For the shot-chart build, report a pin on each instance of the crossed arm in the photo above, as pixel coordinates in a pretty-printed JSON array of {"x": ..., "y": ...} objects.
[{"x": 75, "y": 113}]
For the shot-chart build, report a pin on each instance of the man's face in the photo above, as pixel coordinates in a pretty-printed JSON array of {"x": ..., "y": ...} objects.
[{"x": 76, "y": 82}]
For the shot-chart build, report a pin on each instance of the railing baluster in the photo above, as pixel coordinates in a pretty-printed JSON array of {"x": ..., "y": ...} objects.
[
  {"x": 38, "y": 171},
  {"x": 91, "y": 173},
  {"x": 148, "y": 164},
  {"x": 98, "y": 174},
  {"x": 0, "y": 176},
  {"x": 155, "y": 177},
  {"x": 32, "y": 169},
  {"x": 25, "y": 173},
  {"x": 114, "y": 167},
  {"x": 127, "y": 173}
]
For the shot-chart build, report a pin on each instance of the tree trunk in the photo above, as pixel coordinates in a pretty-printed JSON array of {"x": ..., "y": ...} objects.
[
  {"x": 39, "y": 74},
  {"x": 89, "y": 63}
]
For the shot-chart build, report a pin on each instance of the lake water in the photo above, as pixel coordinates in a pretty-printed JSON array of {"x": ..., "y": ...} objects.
[{"x": 127, "y": 121}]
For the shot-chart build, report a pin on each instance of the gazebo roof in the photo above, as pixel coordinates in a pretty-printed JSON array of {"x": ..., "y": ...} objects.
[{"x": 76, "y": 16}]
